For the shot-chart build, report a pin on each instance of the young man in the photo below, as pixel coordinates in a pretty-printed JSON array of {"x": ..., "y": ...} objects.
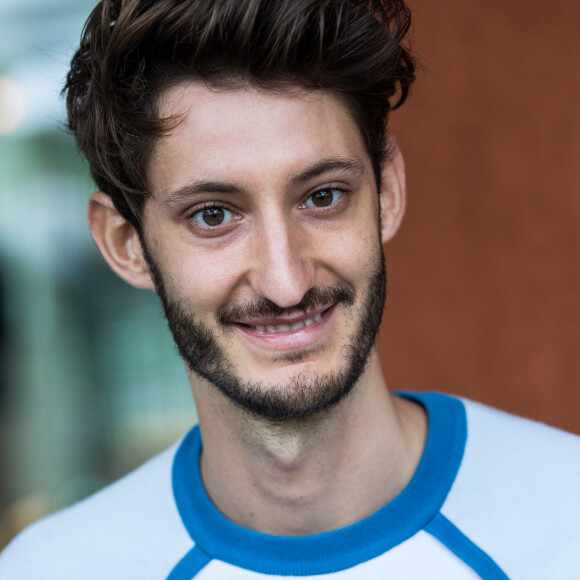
[{"x": 240, "y": 148}]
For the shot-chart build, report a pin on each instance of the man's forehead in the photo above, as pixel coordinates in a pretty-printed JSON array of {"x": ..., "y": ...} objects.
[
  {"x": 216, "y": 107},
  {"x": 249, "y": 130}
]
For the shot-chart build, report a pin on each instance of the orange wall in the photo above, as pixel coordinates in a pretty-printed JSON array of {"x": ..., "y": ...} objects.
[{"x": 484, "y": 276}]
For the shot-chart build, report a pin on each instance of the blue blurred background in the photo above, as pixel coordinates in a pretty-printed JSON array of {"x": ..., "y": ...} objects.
[{"x": 90, "y": 384}]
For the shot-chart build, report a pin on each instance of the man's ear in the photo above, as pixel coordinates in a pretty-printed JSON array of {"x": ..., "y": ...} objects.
[
  {"x": 118, "y": 241},
  {"x": 393, "y": 193}
]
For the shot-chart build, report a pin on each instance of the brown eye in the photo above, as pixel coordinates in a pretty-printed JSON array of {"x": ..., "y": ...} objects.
[
  {"x": 323, "y": 198},
  {"x": 213, "y": 216}
]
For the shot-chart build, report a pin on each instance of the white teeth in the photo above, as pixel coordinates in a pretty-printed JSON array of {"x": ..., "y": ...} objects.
[{"x": 273, "y": 329}]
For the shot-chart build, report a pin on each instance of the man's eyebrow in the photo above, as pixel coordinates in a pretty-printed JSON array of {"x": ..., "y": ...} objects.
[
  {"x": 190, "y": 190},
  {"x": 332, "y": 164},
  {"x": 186, "y": 192}
]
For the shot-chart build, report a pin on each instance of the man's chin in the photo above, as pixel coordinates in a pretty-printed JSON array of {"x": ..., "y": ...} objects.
[
  {"x": 306, "y": 355},
  {"x": 288, "y": 385},
  {"x": 298, "y": 396},
  {"x": 284, "y": 368}
]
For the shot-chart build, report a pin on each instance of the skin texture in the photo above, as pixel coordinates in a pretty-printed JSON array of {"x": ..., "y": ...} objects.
[{"x": 256, "y": 161}]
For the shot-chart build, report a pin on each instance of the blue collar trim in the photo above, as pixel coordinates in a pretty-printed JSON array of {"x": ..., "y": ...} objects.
[{"x": 336, "y": 550}]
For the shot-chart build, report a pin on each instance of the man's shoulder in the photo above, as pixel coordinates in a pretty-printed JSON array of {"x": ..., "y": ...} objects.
[
  {"x": 507, "y": 454},
  {"x": 517, "y": 486},
  {"x": 515, "y": 443},
  {"x": 98, "y": 536}
]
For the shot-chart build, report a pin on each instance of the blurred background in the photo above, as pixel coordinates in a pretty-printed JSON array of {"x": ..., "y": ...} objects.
[
  {"x": 90, "y": 385},
  {"x": 484, "y": 276}
]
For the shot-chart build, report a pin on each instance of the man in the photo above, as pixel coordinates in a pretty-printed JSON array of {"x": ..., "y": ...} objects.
[{"x": 240, "y": 148}]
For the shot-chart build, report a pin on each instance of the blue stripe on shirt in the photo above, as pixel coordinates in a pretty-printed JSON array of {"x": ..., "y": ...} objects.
[{"x": 458, "y": 543}]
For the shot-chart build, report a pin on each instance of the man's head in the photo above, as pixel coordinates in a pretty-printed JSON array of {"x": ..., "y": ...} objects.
[
  {"x": 132, "y": 51},
  {"x": 258, "y": 222}
]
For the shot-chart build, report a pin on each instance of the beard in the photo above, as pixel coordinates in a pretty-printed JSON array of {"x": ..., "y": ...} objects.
[{"x": 302, "y": 394}]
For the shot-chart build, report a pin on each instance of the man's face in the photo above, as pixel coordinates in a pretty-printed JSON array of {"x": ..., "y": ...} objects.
[{"x": 262, "y": 236}]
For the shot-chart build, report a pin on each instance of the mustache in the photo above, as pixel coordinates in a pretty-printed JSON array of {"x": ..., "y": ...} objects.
[{"x": 264, "y": 308}]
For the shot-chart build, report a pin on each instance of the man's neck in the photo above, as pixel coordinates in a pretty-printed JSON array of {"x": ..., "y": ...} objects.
[{"x": 308, "y": 476}]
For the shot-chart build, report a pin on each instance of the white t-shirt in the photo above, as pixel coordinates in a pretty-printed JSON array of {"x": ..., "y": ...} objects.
[{"x": 494, "y": 497}]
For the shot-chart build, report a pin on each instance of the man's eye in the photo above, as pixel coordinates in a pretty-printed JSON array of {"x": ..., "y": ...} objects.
[
  {"x": 213, "y": 216},
  {"x": 323, "y": 198}
]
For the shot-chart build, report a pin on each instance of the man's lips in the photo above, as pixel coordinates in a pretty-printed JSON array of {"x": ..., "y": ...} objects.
[
  {"x": 289, "y": 333},
  {"x": 280, "y": 325}
]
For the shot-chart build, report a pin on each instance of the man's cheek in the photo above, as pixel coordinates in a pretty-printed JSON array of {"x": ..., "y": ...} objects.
[{"x": 209, "y": 285}]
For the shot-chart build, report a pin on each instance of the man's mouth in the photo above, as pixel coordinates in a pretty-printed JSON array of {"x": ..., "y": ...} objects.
[
  {"x": 310, "y": 324},
  {"x": 291, "y": 324},
  {"x": 275, "y": 328}
]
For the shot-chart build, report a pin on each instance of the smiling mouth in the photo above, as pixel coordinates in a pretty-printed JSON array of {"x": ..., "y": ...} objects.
[
  {"x": 275, "y": 328},
  {"x": 278, "y": 326}
]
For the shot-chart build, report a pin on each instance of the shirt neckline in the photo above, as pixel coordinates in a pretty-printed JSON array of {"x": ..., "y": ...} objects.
[{"x": 343, "y": 548}]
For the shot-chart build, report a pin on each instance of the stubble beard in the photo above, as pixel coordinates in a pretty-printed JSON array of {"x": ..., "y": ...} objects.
[{"x": 301, "y": 395}]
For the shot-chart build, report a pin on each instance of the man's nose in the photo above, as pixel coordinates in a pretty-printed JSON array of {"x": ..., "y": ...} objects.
[{"x": 283, "y": 267}]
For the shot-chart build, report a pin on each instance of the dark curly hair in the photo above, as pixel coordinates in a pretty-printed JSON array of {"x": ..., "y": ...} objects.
[{"x": 133, "y": 50}]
